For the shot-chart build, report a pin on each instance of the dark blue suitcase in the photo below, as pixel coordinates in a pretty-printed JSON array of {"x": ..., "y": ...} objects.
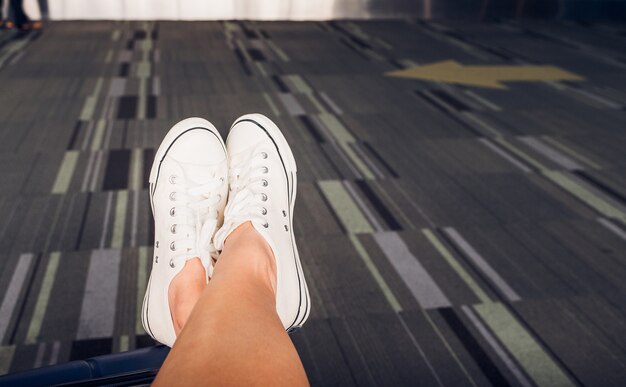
[{"x": 131, "y": 368}]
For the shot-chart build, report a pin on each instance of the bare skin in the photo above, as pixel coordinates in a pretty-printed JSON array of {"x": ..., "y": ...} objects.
[
  {"x": 185, "y": 290},
  {"x": 233, "y": 335}
]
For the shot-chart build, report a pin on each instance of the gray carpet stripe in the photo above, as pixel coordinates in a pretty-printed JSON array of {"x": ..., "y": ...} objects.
[
  {"x": 414, "y": 275},
  {"x": 505, "y": 155},
  {"x": 12, "y": 294},
  {"x": 616, "y": 230},
  {"x": 97, "y": 313},
  {"x": 497, "y": 347},
  {"x": 330, "y": 103},
  {"x": 291, "y": 104},
  {"x": 357, "y": 199},
  {"x": 54, "y": 354},
  {"x": 482, "y": 265},
  {"x": 551, "y": 153}
]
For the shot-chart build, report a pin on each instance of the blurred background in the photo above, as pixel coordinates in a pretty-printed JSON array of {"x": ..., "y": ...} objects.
[
  {"x": 329, "y": 9},
  {"x": 461, "y": 213}
]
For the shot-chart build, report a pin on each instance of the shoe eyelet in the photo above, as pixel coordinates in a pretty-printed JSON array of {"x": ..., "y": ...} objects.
[
  {"x": 173, "y": 211},
  {"x": 219, "y": 196},
  {"x": 265, "y": 183},
  {"x": 173, "y": 229},
  {"x": 286, "y": 228},
  {"x": 172, "y": 265},
  {"x": 284, "y": 213},
  {"x": 156, "y": 244},
  {"x": 156, "y": 259},
  {"x": 264, "y": 155},
  {"x": 173, "y": 246},
  {"x": 173, "y": 196},
  {"x": 266, "y": 169},
  {"x": 266, "y": 225},
  {"x": 172, "y": 179},
  {"x": 264, "y": 197},
  {"x": 221, "y": 179},
  {"x": 264, "y": 211}
]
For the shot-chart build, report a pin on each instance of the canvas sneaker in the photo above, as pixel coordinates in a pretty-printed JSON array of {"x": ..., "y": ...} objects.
[
  {"x": 188, "y": 193},
  {"x": 262, "y": 179}
]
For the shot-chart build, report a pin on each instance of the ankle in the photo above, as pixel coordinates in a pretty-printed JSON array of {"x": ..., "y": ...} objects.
[
  {"x": 252, "y": 252},
  {"x": 184, "y": 291}
]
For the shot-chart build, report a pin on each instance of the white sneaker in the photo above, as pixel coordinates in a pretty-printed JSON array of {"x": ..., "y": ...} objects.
[
  {"x": 262, "y": 177},
  {"x": 188, "y": 192}
]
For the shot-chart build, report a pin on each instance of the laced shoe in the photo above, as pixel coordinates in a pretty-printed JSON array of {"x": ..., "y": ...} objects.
[
  {"x": 188, "y": 192},
  {"x": 262, "y": 180}
]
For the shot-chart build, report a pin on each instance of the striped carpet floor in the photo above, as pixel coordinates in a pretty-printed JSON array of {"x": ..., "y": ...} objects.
[{"x": 450, "y": 235}]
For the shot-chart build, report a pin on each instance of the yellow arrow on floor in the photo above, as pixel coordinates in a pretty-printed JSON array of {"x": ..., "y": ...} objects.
[{"x": 451, "y": 71}]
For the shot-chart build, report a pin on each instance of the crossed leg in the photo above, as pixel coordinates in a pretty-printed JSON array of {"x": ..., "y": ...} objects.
[{"x": 233, "y": 335}]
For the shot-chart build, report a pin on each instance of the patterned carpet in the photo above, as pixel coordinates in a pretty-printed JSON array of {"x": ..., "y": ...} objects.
[{"x": 450, "y": 235}]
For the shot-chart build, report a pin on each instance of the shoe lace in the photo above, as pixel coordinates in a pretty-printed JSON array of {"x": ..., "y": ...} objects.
[
  {"x": 195, "y": 215},
  {"x": 247, "y": 200}
]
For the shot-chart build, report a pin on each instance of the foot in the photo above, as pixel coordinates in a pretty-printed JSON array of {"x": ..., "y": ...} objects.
[
  {"x": 262, "y": 178},
  {"x": 30, "y": 26},
  {"x": 188, "y": 194}
]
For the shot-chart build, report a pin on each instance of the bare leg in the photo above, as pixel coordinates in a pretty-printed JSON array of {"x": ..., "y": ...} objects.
[
  {"x": 233, "y": 335},
  {"x": 185, "y": 290}
]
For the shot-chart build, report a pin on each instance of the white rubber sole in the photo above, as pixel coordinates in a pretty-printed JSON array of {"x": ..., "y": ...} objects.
[{"x": 290, "y": 163}]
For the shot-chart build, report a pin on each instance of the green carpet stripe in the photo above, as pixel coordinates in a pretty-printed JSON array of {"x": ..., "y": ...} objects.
[
  {"x": 98, "y": 135},
  {"x": 535, "y": 361},
  {"x": 281, "y": 54},
  {"x": 320, "y": 108},
  {"x": 142, "y": 282},
  {"x": 64, "y": 176},
  {"x": 572, "y": 152},
  {"x": 6, "y": 358},
  {"x": 271, "y": 104},
  {"x": 336, "y": 128},
  {"x": 142, "y": 98},
  {"x": 124, "y": 343},
  {"x": 136, "y": 169},
  {"x": 346, "y": 209},
  {"x": 391, "y": 299},
  {"x": 585, "y": 195},
  {"x": 458, "y": 268},
  {"x": 299, "y": 83},
  {"x": 41, "y": 305},
  {"x": 90, "y": 103},
  {"x": 119, "y": 220}
]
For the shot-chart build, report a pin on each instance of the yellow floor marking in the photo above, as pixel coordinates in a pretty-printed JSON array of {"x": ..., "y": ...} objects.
[{"x": 484, "y": 76}]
